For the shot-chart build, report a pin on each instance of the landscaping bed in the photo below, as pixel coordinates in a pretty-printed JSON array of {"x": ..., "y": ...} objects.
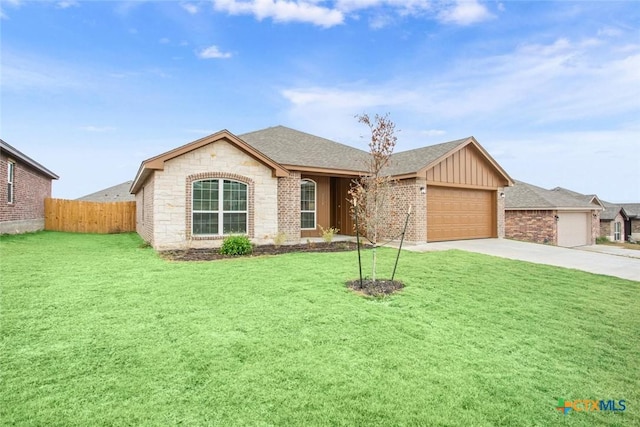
[{"x": 211, "y": 254}]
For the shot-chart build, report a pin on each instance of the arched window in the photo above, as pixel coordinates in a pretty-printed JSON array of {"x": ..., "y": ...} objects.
[
  {"x": 219, "y": 207},
  {"x": 307, "y": 205}
]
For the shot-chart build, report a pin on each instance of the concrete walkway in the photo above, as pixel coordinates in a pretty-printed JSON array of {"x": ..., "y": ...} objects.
[
  {"x": 625, "y": 267},
  {"x": 612, "y": 250}
]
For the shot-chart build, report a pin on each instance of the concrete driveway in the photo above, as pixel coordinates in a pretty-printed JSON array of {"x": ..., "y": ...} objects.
[{"x": 625, "y": 267}]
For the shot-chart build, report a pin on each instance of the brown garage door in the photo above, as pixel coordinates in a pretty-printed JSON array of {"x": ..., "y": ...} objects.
[{"x": 460, "y": 213}]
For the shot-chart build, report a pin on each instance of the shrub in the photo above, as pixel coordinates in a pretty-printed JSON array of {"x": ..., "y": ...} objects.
[
  {"x": 327, "y": 234},
  {"x": 236, "y": 245},
  {"x": 601, "y": 240},
  {"x": 279, "y": 238}
]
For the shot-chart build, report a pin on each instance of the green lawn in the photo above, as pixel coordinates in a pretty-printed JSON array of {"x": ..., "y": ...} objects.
[{"x": 96, "y": 330}]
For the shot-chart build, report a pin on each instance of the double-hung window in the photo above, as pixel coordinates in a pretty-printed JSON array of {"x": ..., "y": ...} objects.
[
  {"x": 307, "y": 205},
  {"x": 11, "y": 171},
  {"x": 617, "y": 231},
  {"x": 219, "y": 207}
]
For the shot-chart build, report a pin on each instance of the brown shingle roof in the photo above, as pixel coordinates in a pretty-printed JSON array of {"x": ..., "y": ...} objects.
[
  {"x": 291, "y": 147},
  {"x": 528, "y": 196}
]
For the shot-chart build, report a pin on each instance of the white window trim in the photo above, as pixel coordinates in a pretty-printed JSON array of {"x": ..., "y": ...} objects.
[
  {"x": 11, "y": 176},
  {"x": 220, "y": 212},
  {"x": 617, "y": 231},
  {"x": 315, "y": 204}
]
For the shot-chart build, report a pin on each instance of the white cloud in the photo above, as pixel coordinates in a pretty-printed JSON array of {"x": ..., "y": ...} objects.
[
  {"x": 67, "y": 4},
  {"x": 98, "y": 129},
  {"x": 164, "y": 40},
  {"x": 283, "y": 11},
  {"x": 465, "y": 12},
  {"x": 213, "y": 52},
  {"x": 190, "y": 8},
  {"x": 536, "y": 85}
]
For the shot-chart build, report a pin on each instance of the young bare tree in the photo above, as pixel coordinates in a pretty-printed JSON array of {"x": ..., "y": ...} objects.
[{"x": 371, "y": 194}]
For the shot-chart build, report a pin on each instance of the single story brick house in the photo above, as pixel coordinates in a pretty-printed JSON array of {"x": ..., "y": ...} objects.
[
  {"x": 24, "y": 184},
  {"x": 280, "y": 180},
  {"x": 555, "y": 217},
  {"x": 614, "y": 223},
  {"x": 620, "y": 221}
]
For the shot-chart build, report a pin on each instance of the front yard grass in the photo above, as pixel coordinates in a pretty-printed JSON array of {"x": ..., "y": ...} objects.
[{"x": 96, "y": 330}]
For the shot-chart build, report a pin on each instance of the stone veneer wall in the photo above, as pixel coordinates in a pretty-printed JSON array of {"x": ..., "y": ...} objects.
[
  {"x": 171, "y": 222},
  {"x": 531, "y": 226},
  {"x": 289, "y": 206}
]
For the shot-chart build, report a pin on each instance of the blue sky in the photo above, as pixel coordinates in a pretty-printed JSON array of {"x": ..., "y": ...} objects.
[{"x": 550, "y": 89}]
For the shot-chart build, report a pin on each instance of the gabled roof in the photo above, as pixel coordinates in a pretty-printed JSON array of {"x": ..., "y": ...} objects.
[
  {"x": 117, "y": 193},
  {"x": 632, "y": 209},
  {"x": 416, "y": 162},
  {"x": 157, "y": 162},
  {"x": 15, "y": 153},
  {"x": 285, "y": 149},
  {"x": 523, "y": 196},
  {"x": 589, "y": 198},
  {"x": 303, "y": 151},
  {"x": 611, "y": 211}
]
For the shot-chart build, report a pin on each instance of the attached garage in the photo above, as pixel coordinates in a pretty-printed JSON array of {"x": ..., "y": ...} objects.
[
  {"x": 460, "y": 213},
  {"x": 554, "y": 217},
  {"x": 574, "y": 229}
]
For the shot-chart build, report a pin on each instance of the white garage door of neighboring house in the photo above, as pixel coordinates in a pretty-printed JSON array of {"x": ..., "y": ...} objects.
[{"x": 573, "y": 229}]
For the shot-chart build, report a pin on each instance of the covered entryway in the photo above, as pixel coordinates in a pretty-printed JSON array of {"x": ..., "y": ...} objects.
[
  {"x": 460, "y": 213},
  {"x": 573, "y": 228}
]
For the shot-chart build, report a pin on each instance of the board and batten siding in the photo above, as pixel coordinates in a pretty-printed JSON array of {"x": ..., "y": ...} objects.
[{"x": 466, "y": 167}]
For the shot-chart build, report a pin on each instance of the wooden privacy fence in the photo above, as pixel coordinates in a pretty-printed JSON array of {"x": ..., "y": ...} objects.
[{"x": 89, "y": 217}]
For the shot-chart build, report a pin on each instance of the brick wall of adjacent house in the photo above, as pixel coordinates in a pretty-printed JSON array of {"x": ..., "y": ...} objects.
[
  {"x": 172, "y": 195},
  {"x": 531, "y": 226},
  {"x": 26, "y": 213},
  {"x": 144, "y": 210},
  {"x": 500, "y": 212},
  {"x": 289, "y": 206},
  {"x": 635, "y": 228},
  {"x": 595, "y": 227}
]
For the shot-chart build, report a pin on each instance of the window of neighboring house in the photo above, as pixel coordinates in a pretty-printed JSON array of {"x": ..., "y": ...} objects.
[
  {"x": 617, "y": 231},
  {"x": 219, "y": 207},
  {"x": 308, "y": 205},
  {"x": 11, "y": 168}
]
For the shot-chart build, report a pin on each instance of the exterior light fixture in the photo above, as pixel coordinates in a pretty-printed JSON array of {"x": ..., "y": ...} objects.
[
  {"x": 423, "y": 190},
  {"x": 502, "y": 194}
]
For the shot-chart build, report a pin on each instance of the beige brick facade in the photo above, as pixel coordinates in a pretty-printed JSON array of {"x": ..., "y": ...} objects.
[{"x": 501, "y": 212}]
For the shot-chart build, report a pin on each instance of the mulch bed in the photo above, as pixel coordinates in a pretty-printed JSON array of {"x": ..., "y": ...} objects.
[
  {"x": 259, "y": 250},
  {"x": 376, "y": 288}
]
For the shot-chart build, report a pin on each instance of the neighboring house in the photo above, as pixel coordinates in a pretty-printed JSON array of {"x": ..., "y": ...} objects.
[
  {"x": 555, "y": 217},
  {"x": 117, "y": 193},
  {"x": 617, "y": 221},
  {"x": 24, "y": 184},
  {"x": 279, "y": 180},
  {"x": 614, "y": 223},
  {"x": 633, "y": 212}
]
